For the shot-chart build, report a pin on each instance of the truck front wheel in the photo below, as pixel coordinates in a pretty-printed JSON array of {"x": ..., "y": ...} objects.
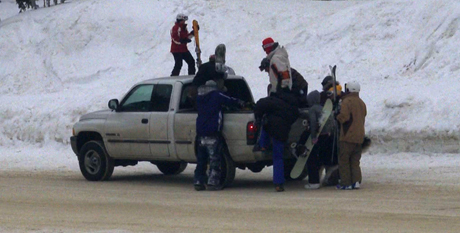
[
  {"x": 95, "y": 164},
  {"x": 171, "y": 168}
]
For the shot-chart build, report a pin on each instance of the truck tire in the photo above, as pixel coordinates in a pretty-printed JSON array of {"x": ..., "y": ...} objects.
[
  {"x": 95, "y": 163},
  {"x": 228, "y": 168},
  {"x": 171, "y": 168}
]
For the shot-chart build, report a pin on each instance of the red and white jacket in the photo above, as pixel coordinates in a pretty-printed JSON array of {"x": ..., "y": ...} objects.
[{"x": 178, "y": 33}]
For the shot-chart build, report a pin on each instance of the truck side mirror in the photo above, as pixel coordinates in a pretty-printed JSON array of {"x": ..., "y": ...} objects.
[{"x": 113, "y": 104}]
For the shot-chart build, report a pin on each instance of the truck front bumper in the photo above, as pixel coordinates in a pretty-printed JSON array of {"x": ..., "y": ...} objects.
[{"x": 73, "y": 143}]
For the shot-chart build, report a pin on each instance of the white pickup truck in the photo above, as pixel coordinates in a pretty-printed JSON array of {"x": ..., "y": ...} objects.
[{"x": 155, "y": 122}]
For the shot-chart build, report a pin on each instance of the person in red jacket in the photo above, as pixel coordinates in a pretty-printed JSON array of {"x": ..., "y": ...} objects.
[{"x": 179, "y": 39}]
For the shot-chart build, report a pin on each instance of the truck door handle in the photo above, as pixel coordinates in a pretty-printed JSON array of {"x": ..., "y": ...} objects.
[{"x": 145, "y": 121}]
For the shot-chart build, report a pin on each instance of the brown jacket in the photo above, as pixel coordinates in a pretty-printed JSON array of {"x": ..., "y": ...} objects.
[{"x": 352, "y": 117}]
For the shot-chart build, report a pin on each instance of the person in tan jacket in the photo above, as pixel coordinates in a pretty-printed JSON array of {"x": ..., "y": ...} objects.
[{"x": 351, "y": 118}]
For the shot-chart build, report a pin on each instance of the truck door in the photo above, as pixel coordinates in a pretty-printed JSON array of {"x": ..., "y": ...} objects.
[
  {"x": 127, "y": 129},
  {"x": 185, "y": 125},
  {"x": 159, "y": 141}
]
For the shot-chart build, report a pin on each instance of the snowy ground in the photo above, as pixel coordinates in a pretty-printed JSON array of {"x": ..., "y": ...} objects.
[{"x": 61, "y": 62}]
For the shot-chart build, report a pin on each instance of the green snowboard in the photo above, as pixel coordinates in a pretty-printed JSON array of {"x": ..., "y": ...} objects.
[{"x": 299, "y": 166}]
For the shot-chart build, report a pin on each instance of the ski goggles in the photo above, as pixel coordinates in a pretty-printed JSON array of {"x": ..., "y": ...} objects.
[{"x": 267, "y": 45}]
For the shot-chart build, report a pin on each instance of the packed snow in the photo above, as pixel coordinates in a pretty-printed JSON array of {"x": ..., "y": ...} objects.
[{"x": 61, "y": 62}]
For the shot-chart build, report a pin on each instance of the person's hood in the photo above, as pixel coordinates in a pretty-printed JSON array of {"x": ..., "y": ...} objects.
[
  {"x": 313, "y": 98},
  {"x": 280, "y": 50},
  {"x": 209, "y": 87}
]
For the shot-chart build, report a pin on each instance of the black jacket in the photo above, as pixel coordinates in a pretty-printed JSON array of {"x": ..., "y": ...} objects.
[
  {"x": 207, "y": 71},
  {"x": 281, "y": 111}
]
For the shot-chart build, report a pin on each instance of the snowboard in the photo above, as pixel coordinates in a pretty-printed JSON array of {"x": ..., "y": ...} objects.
[
  {"x": 299, "y": 166},
  {"x": 197, "y": 42},
  {"x": 220, "y": 58}
]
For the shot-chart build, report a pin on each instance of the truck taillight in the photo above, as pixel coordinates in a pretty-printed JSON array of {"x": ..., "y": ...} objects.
[{"x": 251, "y": 133}]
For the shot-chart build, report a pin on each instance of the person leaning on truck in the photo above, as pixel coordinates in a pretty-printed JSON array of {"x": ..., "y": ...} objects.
[
  {"x": 209, "y": 139},
  {"x": 280, "y": 110}
]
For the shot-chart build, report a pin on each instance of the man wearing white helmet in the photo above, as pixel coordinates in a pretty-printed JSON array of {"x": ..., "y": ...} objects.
[
  {"x": 351, "y": 118},
  {"x": 179, "y": 39}
]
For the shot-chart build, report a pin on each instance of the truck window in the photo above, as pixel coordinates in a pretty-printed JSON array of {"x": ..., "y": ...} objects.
[
  {"x": 147, "y": 98},
  {"x": 187, "y": 98},
  {"x": 138, "y": 100},
  {"x": 236, "y": 88},
  {"x": 161, "y": 97}
]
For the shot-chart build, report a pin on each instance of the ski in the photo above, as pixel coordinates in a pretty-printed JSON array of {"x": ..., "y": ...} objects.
[
  {"x": 197, "y": 42},
  {"x": 335, "y": 140}
]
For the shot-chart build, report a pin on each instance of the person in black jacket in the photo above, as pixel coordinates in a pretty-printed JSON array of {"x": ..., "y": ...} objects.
[
  {"x": 280, "y": 111},
  {"x": 328, "y": 150}
]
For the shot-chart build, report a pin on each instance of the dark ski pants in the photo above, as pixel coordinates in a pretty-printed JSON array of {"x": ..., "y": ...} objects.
[
  {"x": 278, "y": 164},
  {"x": 209, "y": 148},
  {"x": 349, "y": 159},
  {"x": 322, "y": 154},
  {"x": 187, "y": 57},
  {"x": 313, "y": 165},
  {"x": 327, "y": 155}
]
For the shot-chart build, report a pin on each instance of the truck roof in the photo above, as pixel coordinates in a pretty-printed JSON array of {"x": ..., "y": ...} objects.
[{"x": 183, "y": 79}]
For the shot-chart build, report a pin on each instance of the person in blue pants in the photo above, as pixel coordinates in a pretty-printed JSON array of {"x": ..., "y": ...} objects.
[{"x": 279, "y": 111}]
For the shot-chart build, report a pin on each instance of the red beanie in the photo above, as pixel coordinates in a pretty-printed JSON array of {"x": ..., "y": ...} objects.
[{"x": 267, "y": 44}]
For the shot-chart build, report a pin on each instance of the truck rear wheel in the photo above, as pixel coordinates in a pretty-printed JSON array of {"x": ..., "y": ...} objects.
[
  {"x": 95, "y": 164},
  {"x": 228, "y": 168},
  {"x": 171, "y": 168}
]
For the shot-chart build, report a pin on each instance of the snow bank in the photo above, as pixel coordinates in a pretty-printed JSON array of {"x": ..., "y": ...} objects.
[{"x": 60, "y": 62}]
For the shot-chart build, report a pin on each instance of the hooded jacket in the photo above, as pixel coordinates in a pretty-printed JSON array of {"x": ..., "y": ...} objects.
[
  {"x": 314, "y": 112},
  {"x": 209, "y": 105},
  {"x": 352, "y": 118},
  {"x": 280, "y": 69}
]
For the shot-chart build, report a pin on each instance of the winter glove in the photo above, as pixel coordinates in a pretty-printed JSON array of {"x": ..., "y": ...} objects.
[
  {"x": 185, "y": 41},
  {"x": 336, "y": 113},
  {"x": 264, "y": 64},
  {"x": 241, "y": 103},
  {"x": 192, "y": 32},
  {"x": 314, "y": 141}
]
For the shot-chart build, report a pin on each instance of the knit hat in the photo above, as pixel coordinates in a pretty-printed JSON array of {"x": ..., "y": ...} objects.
[
  {"x": 212, "y": 57},
  {"x": 326, "y": 80},
  {"x": 267, "y": 44}
]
